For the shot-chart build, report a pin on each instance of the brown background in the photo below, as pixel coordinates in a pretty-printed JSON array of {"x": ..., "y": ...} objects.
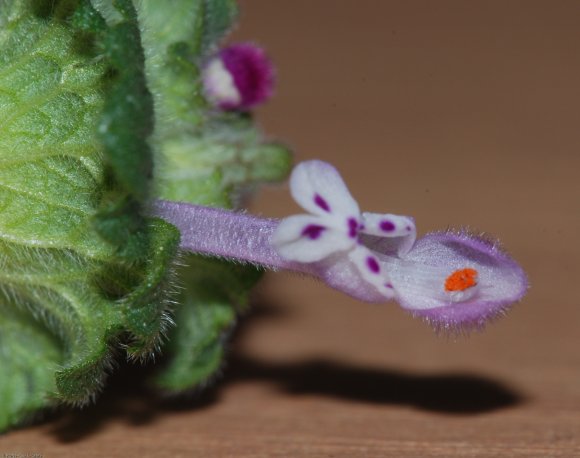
[{"x": 455, "y": 112}]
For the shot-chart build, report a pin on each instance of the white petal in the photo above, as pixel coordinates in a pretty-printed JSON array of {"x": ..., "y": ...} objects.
[
  {"x": 318, "y": 187},
  {"x": 381, "y": 227},
  {"x": 371, "y": 270},
  {"x": 306, "y": 238}
]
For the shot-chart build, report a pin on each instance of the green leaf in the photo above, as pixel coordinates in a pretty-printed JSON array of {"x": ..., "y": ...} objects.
[
  {"x": 218, "y": 17},
  {"x": 29, "y": 356},
  {"x": 213, "y": 293},
  {"x": 81, "y": 270},
  {"x": 229, "y": 154}
]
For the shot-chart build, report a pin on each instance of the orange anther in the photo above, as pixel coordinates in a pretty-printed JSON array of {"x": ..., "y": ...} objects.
[{"x": 460, "y": 280}]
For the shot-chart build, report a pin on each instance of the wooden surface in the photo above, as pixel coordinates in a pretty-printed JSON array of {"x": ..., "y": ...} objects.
[{"x": 458, "y": 113}]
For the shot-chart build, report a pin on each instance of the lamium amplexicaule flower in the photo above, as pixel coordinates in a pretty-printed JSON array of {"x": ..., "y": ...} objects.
[
  {"x": 126, "y": 137},
  {"x": 452, "y": 279}
]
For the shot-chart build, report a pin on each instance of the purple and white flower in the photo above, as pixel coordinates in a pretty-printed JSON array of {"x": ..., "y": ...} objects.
[
  {"x": 451, "y": 279},
  {"x": 334, "y": 228},
  {"x": 448, "y": 278},
  {"x": 238, "y": 77}
]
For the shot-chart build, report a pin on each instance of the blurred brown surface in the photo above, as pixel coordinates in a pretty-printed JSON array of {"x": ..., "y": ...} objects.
[{"x": 454, "y": 112}]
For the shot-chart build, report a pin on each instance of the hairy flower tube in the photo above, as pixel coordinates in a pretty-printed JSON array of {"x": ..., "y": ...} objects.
[{"x": 451, "y": 279}]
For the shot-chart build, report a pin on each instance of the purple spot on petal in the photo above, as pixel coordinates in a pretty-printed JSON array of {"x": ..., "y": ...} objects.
[
  {"x": 313, "y": 231},
  {"x": 373, "y": 265},
  {"x": 318, "y": 200},
  {"x": 352, "y": 227},
  {"x": 408, "y": 228},
  {"x": 387, "y": 226},
  {"x": 389, "y": 285}
]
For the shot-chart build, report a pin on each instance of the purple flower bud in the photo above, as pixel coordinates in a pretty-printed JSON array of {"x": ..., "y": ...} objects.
[{"x": 238, "y": 77}]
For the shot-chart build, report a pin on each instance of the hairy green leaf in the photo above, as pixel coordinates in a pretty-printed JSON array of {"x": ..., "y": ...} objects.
[
  {"x": 213, "y": 293},
  {"x": 84, "y": 274},
  {"x": 81, "y": 271}
]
